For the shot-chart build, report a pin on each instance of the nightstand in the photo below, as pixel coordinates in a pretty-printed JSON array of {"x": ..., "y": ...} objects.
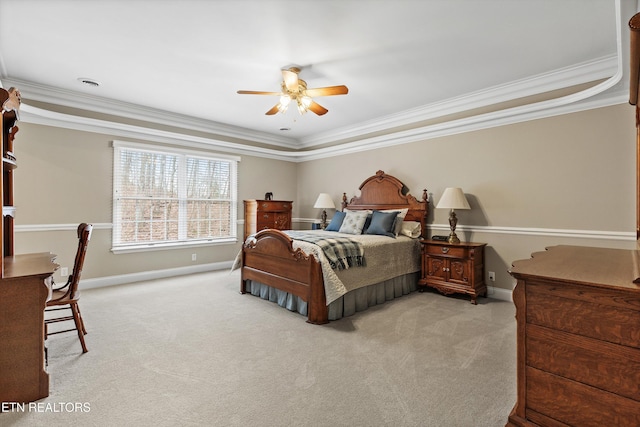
[{"x": 454, "y": 267}]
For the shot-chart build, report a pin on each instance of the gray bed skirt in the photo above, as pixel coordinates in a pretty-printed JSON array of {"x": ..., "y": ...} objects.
[{"x": 357, "y": 300}]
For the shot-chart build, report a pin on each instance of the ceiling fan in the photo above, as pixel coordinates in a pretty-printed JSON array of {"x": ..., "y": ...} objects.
[{"x": 295, "y": 89}]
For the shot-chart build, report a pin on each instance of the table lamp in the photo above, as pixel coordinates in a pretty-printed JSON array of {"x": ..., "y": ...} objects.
[
  {"x": 324, "y": 202},
  {"x": 453, "y": 198}
]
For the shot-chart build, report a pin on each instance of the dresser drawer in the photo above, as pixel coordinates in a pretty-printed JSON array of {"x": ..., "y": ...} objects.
[
  {"x": 587, "y": 313},
  {"x": 451, "y": 251},
  {"x": 551, "y": 398},
  {"x": 263, "y": 223},
  {"x": 585, "y": 360},
  {"x": 262, "y": 214},
  {"x": 274, "y": 206}
]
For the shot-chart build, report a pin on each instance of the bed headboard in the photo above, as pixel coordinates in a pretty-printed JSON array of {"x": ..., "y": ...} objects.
[{"x": 382, "y": 191}]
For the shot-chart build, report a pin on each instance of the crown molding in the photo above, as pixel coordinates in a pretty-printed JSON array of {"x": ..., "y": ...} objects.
[
  {"x": 29, "y": 114},
  {"x": 96, "y": 104},
  {"x": 570, "y": 76},
  {"x": 567, "y": 77},
  {"x": 485, "y": 121},
  {"x": 40, "y": 116}
]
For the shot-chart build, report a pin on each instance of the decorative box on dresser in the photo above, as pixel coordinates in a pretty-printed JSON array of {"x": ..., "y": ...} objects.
[
  {"x": 25, "y": 286},
  {"x": 578, "y": 338},
  {"x": 263, "y": 214},
  {"x": 454, "y": 267}
]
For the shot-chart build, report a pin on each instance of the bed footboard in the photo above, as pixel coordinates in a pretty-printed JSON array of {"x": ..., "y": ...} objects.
[{"x": 270, "y": 259}]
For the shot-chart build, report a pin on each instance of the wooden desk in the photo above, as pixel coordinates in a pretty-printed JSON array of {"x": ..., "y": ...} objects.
[{"x": 24, "y": 290}]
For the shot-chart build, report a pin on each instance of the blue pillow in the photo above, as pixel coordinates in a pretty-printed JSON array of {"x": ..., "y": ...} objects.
[
  {"x": 336, "y": 221},
  {"x": 383, "y": 223}
]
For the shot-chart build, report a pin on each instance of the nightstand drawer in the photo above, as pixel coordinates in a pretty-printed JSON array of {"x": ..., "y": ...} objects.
[{"x": 451, "y": 251}]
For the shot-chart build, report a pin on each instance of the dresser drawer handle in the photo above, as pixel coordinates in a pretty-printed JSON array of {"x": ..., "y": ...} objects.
[{"x": 445, "y": 250}]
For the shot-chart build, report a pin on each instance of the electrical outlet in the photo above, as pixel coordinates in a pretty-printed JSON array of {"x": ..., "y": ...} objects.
[
  {"x": 194, "y": 257},
  {"x": 64, "y": 271},
  {"x": 492, "y": 276}
]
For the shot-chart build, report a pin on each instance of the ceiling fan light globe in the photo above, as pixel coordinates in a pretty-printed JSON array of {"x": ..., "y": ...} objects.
[
  {"x": 282, "y": 108},
  {"x": 285, "y": 100},
  {"x": 301, "y": 107},
  {"x": 306, "y": 101}
]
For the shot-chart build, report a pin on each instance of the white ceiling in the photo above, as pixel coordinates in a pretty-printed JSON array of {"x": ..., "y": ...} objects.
[{"x": 402, "y": 60}]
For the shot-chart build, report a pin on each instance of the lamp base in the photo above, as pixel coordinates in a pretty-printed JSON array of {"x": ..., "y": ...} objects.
[
  {"x": 323, "y": 222},
  {"x": 453, "y": 221}
]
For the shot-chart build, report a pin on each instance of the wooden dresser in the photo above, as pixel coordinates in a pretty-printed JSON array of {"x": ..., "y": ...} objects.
[
  {"x": 454, "y": 267},
  {"x": 578, "y": 338},
  {"x": 263, "y": 214}
]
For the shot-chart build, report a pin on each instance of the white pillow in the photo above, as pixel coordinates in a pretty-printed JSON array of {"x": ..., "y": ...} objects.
[
  {"x": 353, "y": 222},
  {"x": 412, "y": 229},
  {"x": 399, "y": 219},
  {"x": 368, "y": 211}
]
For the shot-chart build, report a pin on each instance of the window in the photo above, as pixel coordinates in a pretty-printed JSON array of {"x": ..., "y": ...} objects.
[{"x": 167, "y": 198}]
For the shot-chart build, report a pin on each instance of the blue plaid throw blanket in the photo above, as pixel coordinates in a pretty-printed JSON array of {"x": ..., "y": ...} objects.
[{"x": 341, "y": 252}]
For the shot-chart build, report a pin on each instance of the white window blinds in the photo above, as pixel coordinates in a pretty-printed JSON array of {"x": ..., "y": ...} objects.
[{"x": 168, "y": 198}]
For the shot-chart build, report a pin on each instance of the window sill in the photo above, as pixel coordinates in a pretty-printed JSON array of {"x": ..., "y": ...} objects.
[{"x": 172, "y": 245}]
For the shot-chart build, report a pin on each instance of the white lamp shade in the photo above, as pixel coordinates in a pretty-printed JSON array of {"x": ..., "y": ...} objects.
[
  {"x": 453, "y": 198},
  {"x": 324, "y": 201}
]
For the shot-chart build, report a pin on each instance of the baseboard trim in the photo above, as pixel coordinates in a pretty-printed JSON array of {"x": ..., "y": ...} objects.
[
  {"x": 100, "y": 282},
  {"x": 500, "y": 293}
]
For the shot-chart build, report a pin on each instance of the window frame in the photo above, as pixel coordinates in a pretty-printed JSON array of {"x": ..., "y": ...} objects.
[{"x": 182, "y": 154}]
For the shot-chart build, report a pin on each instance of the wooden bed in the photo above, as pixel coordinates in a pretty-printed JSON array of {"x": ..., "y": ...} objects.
[{"x": 271, "y": 259}]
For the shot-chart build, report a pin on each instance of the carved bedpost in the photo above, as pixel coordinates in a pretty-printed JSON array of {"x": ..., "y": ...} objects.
[{"x": 344, "y": 201}]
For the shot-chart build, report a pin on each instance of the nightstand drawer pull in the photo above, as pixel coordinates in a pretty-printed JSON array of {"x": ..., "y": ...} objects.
[{"x": 445, "y": 249}]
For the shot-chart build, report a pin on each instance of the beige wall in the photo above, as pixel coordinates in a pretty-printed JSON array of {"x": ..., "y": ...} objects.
[
  {"x": 571, "y": 172},
  {"x": 65, "y": 177}
]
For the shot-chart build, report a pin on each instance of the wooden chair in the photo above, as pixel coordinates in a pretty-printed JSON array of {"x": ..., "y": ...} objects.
[{"x": 66, "y": 297}]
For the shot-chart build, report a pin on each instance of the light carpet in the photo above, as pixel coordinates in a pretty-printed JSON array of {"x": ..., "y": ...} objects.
[{"x": 193, "y": 351}]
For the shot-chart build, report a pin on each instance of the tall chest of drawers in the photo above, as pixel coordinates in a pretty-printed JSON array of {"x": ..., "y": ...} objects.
[
  {"x": 263, "y": 214},
  {"x": 578, "y": 338}
]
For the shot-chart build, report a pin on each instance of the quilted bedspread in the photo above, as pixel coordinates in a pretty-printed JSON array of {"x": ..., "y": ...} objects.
[{"x": 385, "y": 257}]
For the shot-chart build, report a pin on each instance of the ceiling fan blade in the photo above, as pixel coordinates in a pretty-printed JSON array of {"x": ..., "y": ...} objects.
[
  {"x": 290, "y": 80},
  {"x": 317, "y": 108},
  {"x": 328, "y": 91},
  {"x": 273, "y": 111},
  {"x": 257, "y": 92}
]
